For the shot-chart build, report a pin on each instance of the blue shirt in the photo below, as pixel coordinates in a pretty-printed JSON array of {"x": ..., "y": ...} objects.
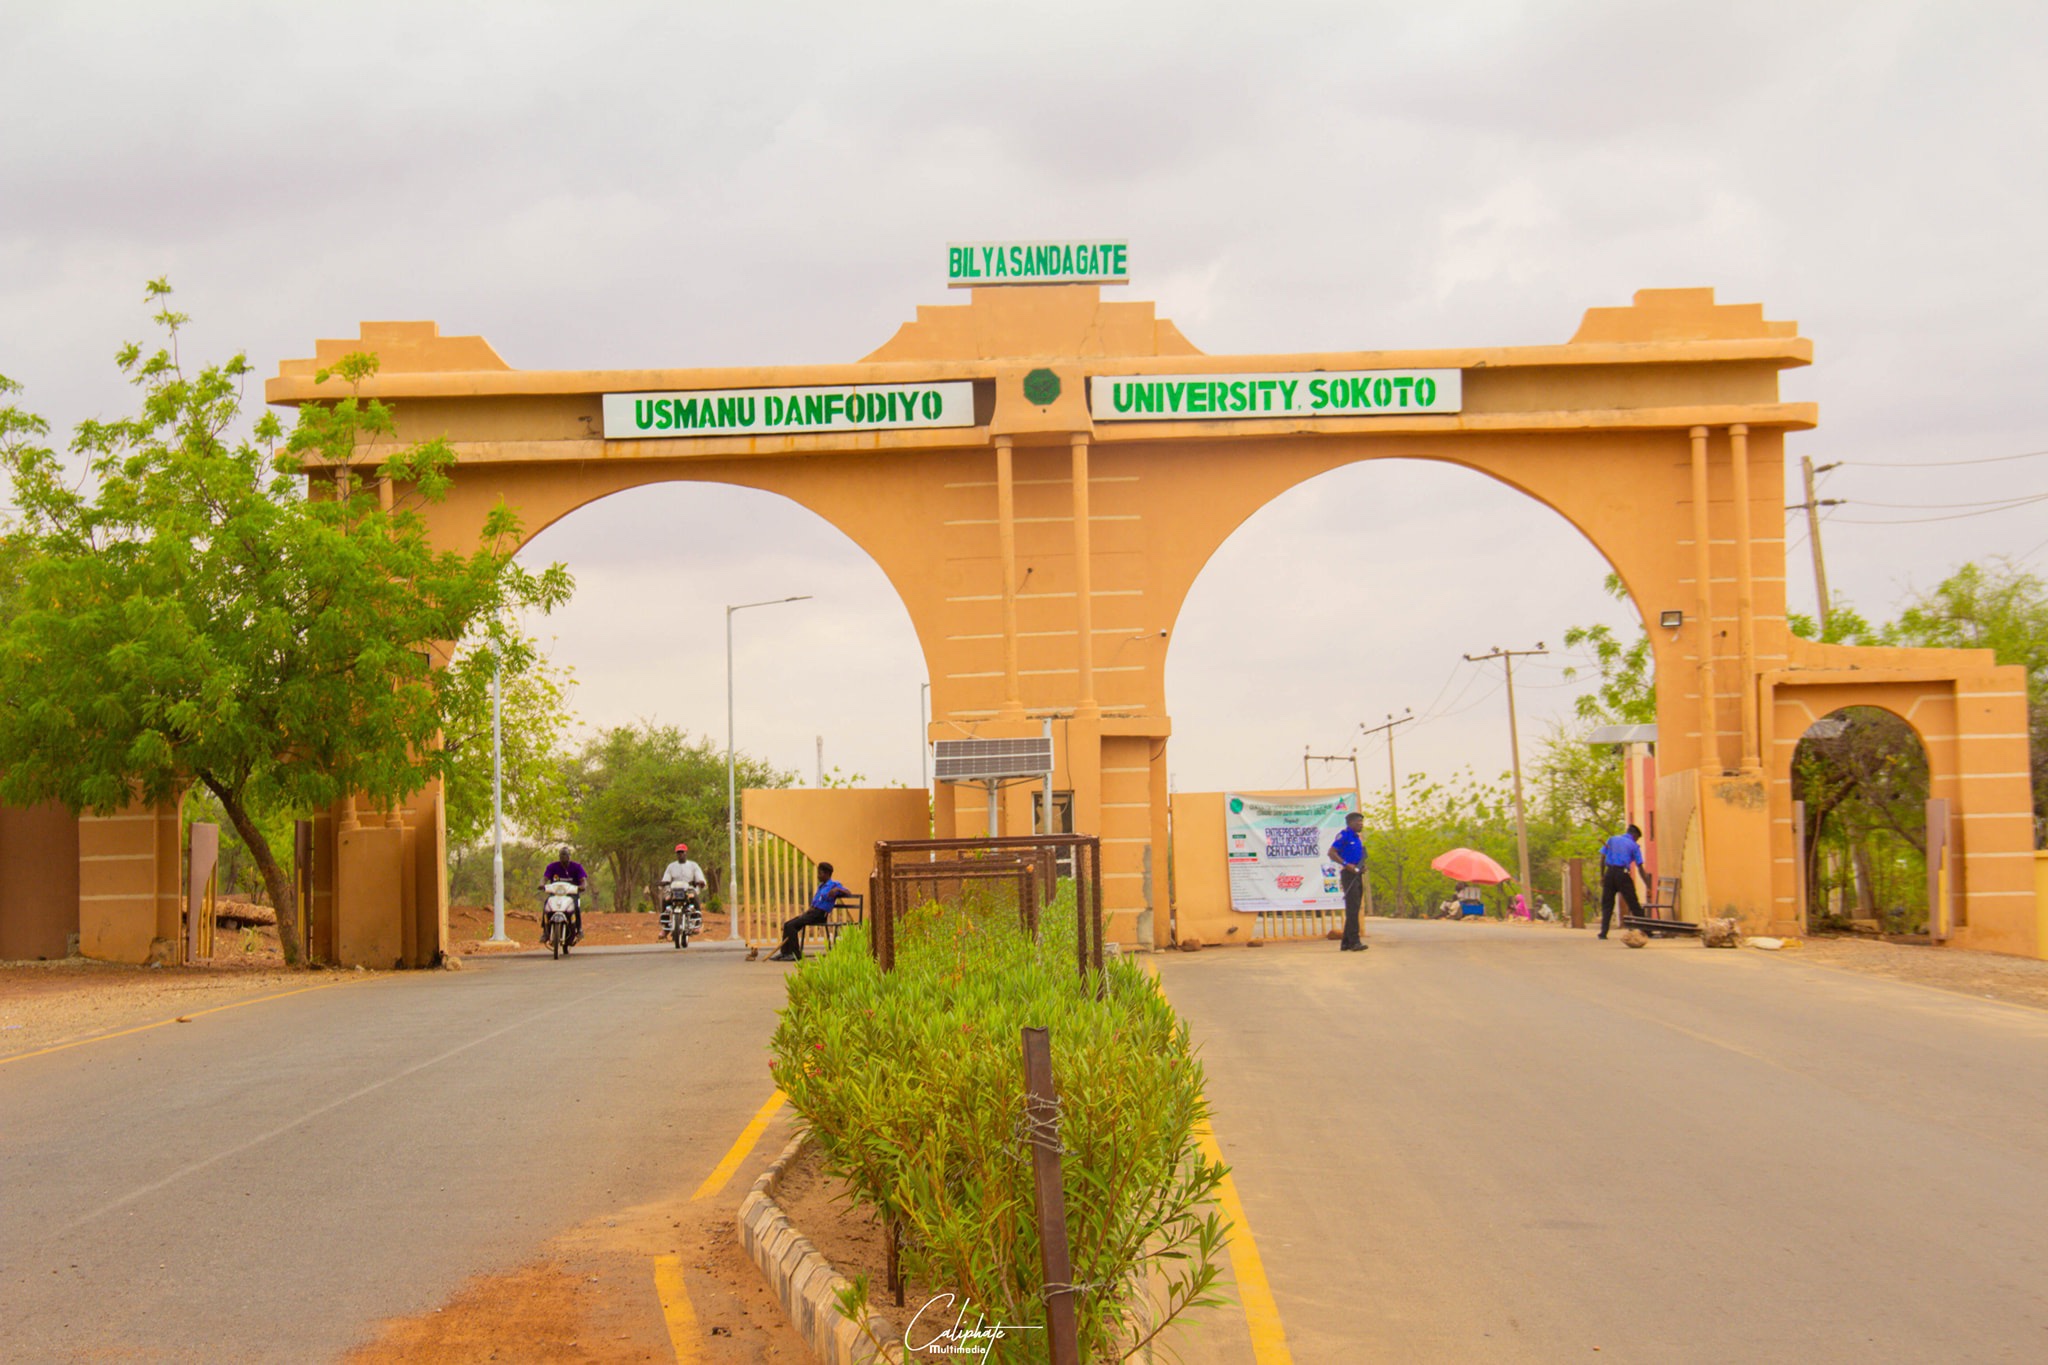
[
  {"x": 1620, "y": 851},
  {"x": 1349, "y": 848},
  {"x": 829, "y": 893}
]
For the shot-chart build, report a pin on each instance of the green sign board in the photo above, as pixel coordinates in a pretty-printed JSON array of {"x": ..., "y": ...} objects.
[
  {"x": 1313, "y": 393},
  {"x": 768, "y": 412},
  {"x": 973, "y": 264}
]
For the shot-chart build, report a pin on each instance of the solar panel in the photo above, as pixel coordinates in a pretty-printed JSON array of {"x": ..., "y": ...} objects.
[{"x": 979, "y": 760}]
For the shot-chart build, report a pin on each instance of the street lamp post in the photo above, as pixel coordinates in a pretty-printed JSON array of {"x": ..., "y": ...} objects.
[
  {"x": 924, "y": 739},
  {"x": 498, "y": 803},
  {"x": 732, "y": 799}
]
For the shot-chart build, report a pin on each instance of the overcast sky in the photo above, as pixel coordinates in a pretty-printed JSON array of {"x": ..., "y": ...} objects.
[{"x": 606, "y": 184}]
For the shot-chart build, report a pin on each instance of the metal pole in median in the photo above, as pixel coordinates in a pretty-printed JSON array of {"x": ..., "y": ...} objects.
[
  {"x": 1508, "y": 657},
  {"x": 498, "y": 804},
  {"x": 1042, "y": 1130},
  {"x": 732, "y": 800},
  {"x": 1393, "y": 798}
]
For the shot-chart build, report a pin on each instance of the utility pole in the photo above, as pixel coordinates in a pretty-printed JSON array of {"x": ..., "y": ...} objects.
[
  {"x": 1307, "y": 757},
  {"x": 1508, "y": 657},
  {"x": 1393, "y": 798},
  {"x": 821, "y": 760},
  {"x": 1812, "y": 507}
]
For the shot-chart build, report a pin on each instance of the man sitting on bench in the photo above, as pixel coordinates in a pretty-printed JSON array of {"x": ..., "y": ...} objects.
[{"x": 823, "y": 903}]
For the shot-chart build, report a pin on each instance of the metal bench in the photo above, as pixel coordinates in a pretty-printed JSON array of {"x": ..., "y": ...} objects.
[
  {"x": 1660, "y": 916},
  {"x": 851, "y": 910}
]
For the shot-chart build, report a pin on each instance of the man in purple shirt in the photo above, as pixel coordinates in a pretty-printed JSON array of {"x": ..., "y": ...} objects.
[{"x": 567, "y": 869}]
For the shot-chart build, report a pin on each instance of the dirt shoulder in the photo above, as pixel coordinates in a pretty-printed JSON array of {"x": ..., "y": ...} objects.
[
  {"x": 592, "y": 1298},
  {"x": 1993, "y": 976},
  {"x": 48, "y": 1004}
]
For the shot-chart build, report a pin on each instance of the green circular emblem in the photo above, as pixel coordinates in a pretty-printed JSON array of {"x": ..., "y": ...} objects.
[
  {"x": 1236, "y": 806},
  {"x": 1041, "y": 387}
]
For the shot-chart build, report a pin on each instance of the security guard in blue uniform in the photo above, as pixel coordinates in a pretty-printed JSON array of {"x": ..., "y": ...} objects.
[
  {"x": 1348, "y": 852},
  {"x": 1617, "y": 857}
]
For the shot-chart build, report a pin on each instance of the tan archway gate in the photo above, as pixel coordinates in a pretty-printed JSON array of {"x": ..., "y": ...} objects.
[{"x": 1042, "y": 473}]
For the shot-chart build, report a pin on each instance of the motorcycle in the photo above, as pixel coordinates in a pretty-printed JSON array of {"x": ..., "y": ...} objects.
[
  {"x": 682, "y": 914},
  {"x": 558, "y": 910}
]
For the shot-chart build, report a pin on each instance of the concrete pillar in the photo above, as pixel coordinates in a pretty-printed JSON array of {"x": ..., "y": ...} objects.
[
  {"x": 1006, "y": 551},
  {"x": 1710, "y": 761},
  {"x": 1084, "y": 594},
  {"x": 1745, "y": 598}
]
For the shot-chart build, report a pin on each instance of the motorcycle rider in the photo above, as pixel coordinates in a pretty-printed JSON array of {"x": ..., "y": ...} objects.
[
  {"x": 567, "y": 869},
  {"x": 683, "y": 874}
]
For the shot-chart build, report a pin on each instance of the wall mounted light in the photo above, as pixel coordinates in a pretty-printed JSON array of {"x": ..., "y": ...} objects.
[{"x": 1671, "y": 620}]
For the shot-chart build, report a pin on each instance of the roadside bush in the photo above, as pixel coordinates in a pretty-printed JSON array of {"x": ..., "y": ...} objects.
[{"x": 912, "y": 1084}]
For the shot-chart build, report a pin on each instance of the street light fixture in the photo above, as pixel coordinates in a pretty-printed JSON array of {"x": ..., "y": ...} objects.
[{"x": 732, "y": 800}]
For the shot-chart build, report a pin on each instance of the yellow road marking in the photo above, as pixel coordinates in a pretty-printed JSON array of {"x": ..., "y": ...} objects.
[
  {"x": 1255, "y": 1293},
  {"x": 676, "y": 1309},
  {"x": 144, "y": 1028},
  {"x": 1261, "y": 1313},
  {"x": 750, "y": 1135}
]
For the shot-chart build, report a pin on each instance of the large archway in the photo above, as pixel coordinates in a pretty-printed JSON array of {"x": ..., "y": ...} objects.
[
  {"x": 1862, "y": 781},
  {"x": 1029, "y": 529},
  {"x": 1357, "y": 595}
]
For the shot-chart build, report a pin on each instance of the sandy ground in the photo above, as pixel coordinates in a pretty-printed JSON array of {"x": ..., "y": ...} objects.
[
  {"x": 592, "y": 1299},
  {"x": 49, "y": 1004},
  {"x": 1991, "y": 976}
]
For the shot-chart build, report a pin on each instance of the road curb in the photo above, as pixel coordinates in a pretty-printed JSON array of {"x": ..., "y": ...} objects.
[{"x": 803, "y": 1281}]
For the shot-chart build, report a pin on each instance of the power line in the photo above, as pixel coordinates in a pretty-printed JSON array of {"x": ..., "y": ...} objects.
[
  {"x": 1943, "y": 464},
  {"x": 2015, "y": 500},
  {"x": 1952, "y": 516}
]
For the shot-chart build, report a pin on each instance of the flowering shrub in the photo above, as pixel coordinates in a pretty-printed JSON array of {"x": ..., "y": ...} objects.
[{"x": 911, "y": 1082}]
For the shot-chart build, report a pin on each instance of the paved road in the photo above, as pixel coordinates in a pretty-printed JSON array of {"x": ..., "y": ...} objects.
[
  {"x": 266, "y": 1183},
  {"x": 1489, "y": 1144}
]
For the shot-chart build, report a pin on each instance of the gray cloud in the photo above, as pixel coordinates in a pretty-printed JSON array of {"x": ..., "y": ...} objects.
[{"x": 651, "y": 184}]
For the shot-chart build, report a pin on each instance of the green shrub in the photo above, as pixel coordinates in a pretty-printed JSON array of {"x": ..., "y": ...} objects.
[{"x": 912, "y": 1083}]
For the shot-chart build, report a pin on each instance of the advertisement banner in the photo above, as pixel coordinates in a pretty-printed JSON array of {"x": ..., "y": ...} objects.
[{"x": 1278, "y": 847}]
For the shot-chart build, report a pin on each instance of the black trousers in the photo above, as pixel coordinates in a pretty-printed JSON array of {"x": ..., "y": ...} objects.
[
  {"x": 1615, "y": 881},
  {"x": 1353, "y": 881},
  {"x": 793, "y": 931}
]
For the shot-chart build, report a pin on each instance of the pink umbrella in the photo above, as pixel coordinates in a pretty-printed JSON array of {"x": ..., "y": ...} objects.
[{"x": 1470, "y": 865}]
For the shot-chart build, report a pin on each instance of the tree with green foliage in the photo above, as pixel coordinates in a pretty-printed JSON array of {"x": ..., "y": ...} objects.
[
  {"x": 1463, "y": 812},
  {"x": 196, "y": 613},
  {"x": 2000, "y": 607},
  {"x": 535, "y": 737},
  {"x": 1862, "y": 773},
  {"x": 639, "y": 790}
]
